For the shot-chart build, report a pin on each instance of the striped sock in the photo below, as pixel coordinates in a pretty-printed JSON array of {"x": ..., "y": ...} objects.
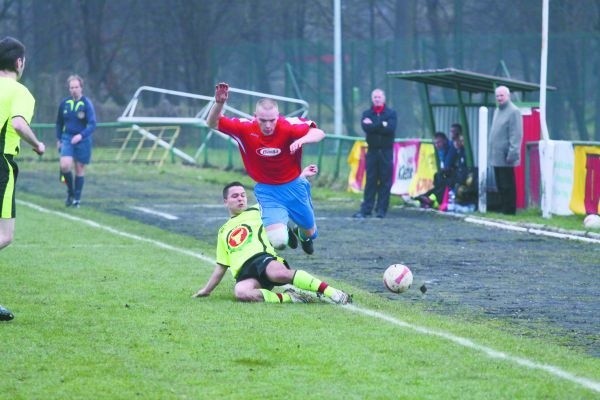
[
  {"x": 306, "y": 281},
  {"x": 272, "y": 297}
]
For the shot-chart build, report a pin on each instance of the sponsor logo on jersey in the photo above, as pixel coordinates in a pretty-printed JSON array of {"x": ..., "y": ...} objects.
[
  {"x": 238, "y": 236},
  {"x": 268, "y": 151}
]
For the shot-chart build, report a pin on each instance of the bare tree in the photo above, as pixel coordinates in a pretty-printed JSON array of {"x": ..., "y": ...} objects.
[{"x": 258, "y": 44}]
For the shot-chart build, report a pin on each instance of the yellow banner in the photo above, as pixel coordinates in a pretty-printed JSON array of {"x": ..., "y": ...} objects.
[
  {"x": 581, "y": 175},
  {"x": 356, "y": 161},
  {"x": 426, "y": 167}
]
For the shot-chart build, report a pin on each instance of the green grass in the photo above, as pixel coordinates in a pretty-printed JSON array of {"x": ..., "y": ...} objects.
[
  {"x": 534, "y": 216},
  {"x": 103, "y": 316}
]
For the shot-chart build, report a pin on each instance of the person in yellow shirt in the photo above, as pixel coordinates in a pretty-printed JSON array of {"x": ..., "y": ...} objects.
[
  {"x": 244, "y": 248},
  {"x": 16, "y": 111}
]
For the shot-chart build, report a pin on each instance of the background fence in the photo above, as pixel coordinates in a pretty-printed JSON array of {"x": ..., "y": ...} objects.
[
  {"x": 119, "y": 142},
  {"x": 208, "y": 151}
]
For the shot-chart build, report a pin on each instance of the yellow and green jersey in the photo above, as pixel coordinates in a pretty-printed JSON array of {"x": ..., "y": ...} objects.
[
  {"x": 15, "y": 101},
  {"x": 241, "y": 238}
]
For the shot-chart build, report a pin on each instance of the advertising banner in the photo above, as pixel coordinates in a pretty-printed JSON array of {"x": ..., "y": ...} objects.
[
  {"x": 356, "y": 161},
  {"x": 426, "y": 168},
  {"x": 586, "y": 180},
  {"x": 406, "y": 160}
]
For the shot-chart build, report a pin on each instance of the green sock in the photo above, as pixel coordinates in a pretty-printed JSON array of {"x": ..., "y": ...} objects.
[
  {"x": 306, "y": 281},
  {"x": 301, "y": 235},
  {"x": 434, "y": 200},
  {"x": 272, "y": 297},
  {"x": 329, "y": 291}
]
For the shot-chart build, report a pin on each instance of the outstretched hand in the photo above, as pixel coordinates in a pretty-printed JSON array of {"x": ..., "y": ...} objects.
[
  {"x": 221, "y": 92},
  {"x": 201, "y": 293},
  {"x": 296, "y": 145},
  {"x": 310, "y": 170}
]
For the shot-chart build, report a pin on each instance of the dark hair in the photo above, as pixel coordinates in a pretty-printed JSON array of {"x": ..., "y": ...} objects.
[
  {"x": 440, "y": 135},
  {"x": 457, "y": 126},
  {"x": 10, "y": 51},
  {"x": 230, "y": 185}
]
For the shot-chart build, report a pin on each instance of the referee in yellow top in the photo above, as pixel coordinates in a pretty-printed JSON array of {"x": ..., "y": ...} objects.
[{"x": 16, "y": 110}]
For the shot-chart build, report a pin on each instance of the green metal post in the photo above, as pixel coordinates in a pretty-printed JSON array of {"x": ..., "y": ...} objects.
[
  {"x": 336, "y": 173},
  {"x": 319, "y": 81},
  {"x": 429, "y": 111},
  {"x": 463, "y": 122},
  {"x": 230, "y": 155},
  {"x": 205, "y": 135},
  {"x": 320, "y": 156}
]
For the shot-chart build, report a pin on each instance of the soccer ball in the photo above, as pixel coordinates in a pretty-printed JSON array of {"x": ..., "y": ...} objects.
[
  {"x": 592, "y": 221},
  {"x": 397, "y": 278}
]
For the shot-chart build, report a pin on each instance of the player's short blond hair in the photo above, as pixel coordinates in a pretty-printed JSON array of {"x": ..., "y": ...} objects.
[{"x": 267, "y": 104}]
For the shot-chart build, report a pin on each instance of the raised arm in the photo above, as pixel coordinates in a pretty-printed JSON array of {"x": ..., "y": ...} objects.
[{"x": 221, "y": 94}]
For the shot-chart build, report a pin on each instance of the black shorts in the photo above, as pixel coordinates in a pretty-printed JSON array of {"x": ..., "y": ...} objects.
[
  {"x": 256, "y": 268},
  {"x": 8, "y": 180}
]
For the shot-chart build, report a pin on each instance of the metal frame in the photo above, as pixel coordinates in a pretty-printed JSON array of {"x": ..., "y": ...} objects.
[
  {"x": 129, "y": 114},
  {"x": 200, "y": 118}
]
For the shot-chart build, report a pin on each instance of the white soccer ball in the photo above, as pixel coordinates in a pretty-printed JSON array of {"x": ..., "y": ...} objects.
[
  {"x": 397, "y": 278},
  {"x": 592, "y": 221}
]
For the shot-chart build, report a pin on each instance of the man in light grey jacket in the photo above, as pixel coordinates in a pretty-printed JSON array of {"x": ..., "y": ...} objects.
[{"x": 505, "y": 148}]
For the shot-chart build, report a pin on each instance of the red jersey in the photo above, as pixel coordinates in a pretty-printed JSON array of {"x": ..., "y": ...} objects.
[{"x": 267, "y": 158}]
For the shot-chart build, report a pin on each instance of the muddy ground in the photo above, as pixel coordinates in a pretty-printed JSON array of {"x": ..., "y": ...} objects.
[{"x": 532, "y": 282}]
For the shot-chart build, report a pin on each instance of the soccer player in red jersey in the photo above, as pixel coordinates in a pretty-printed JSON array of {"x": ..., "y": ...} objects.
[{"x": 271, "y": 149}]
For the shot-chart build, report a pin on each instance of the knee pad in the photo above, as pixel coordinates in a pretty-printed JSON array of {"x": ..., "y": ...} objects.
[{"x": 278, "y": 237}]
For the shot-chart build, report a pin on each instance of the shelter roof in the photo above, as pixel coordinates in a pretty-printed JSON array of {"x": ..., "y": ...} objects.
[{"x": 465, "y": 80}]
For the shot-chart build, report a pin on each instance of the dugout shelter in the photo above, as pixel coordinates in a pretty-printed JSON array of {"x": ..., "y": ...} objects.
[
  {"x": 471, "y": 91},
  {"x": 455, "y": 95}
]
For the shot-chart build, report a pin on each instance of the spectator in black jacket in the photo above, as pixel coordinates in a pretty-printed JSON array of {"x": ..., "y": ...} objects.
[{"x": 379, "y": 124}]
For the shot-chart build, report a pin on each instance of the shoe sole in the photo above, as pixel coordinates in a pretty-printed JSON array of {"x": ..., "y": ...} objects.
[
  {"x": 301, "y": 295},
  {"x": 325, "y": 299}
]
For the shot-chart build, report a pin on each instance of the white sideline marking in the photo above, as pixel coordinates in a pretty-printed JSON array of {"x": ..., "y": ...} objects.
[
  {"x": 117, "y": 232},
  {"x": 585, "y": 382},
  {"x": 531, "y": 230},
  {"x": 157, "y": 213}
]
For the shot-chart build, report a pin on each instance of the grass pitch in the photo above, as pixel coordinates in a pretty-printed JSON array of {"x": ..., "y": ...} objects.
[{"x": 101, "y": 314}]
